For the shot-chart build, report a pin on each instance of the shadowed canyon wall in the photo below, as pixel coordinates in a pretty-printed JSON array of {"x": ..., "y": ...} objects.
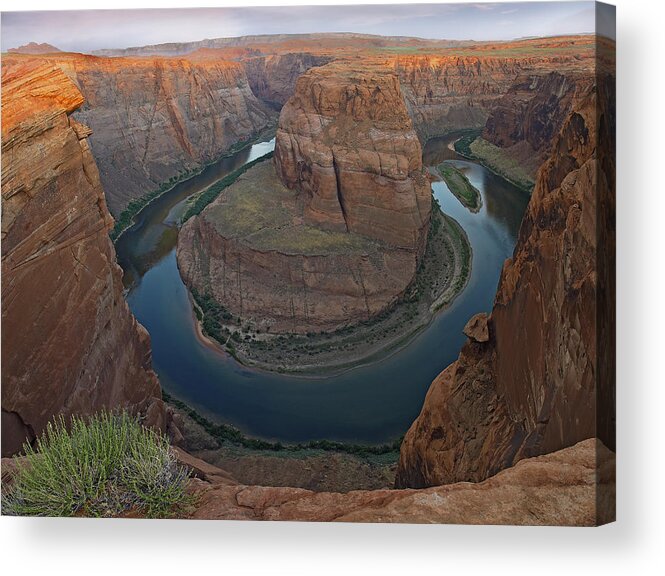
[
  {"x": 175, "y": 115},
  {"x": 70, "y": 344},
  {"x": 531, "y": 387},
  {"x": 272, "y": 78}
]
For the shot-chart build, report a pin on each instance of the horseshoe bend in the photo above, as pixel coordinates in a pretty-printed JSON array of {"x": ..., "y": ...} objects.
[{"x": 331, "y": 333}]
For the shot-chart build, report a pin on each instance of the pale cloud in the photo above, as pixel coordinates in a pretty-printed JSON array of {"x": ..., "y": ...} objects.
[{"x": 87, "y": 30}]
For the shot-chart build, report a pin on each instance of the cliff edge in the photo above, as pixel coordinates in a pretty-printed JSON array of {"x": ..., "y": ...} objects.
[{"x": 70, "y": 344}]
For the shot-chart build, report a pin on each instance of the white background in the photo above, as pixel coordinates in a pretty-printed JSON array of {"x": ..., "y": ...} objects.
[{"x": 632, "y": 545}]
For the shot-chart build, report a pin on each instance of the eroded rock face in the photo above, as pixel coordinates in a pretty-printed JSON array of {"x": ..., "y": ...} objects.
[
  {"x": 461, "y": 89},
  {"x": 177, "y": 115},
  {"x": 447, "y": 93},
  {"x": 70, "y": 344},
  {"x": 155, "y": 118},
  {"x": 531, "y": 388},
  {"x": 346, "y": 143},
  {"x": 333, "y": 233},
  {"x": 273, "y": 77},
  {"x": 251, "y": 251},
  {"x": 557, "y": 489},
  {"x": 526, "y": 120}
]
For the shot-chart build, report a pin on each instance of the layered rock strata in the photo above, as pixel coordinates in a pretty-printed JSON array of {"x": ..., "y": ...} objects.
[
  {"x": 525, "y": 121},
  {"x": 334, "y": 232},
  {"x": 70, "y": 344},
  {"x": 459, "y": 89},
  {"x": 251, "y": 251},
  {"x": 176, "y": 116},
  {"x": 531, "y": 388},
  {"x": 272, "y": 78},
  {"x": 346, "y": 144},
  {"x": 154, "y": 119}
]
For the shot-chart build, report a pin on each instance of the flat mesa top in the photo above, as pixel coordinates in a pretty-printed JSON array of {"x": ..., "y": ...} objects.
[{"x": 264, "y": 214}]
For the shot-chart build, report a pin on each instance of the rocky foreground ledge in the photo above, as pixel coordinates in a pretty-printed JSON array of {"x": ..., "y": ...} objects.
[{"x": 568, "y": 487}]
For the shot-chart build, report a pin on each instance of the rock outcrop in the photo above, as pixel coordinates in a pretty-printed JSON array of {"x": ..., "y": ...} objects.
[
  {"x": 346, "y": 144},
  {"x": 556, "y": 489},
  {"x": 153, "y": 119},
  {"x": 532, "y": 387},
  {"x": 272, "y": 78},
  {"x": 251, "y": 251},
  {"x": 70, "y": 344},
  {"x": 34, "y": 48},
  {"x": 338, "y": 236},
  {"x": 477, "y": 329}
]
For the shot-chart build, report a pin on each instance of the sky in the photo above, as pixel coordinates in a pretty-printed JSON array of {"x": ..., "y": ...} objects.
[{"x": 86, "y": 30}]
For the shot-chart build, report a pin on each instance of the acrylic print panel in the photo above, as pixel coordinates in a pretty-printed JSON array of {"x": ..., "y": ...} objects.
[{"x": 310, "y": 264}]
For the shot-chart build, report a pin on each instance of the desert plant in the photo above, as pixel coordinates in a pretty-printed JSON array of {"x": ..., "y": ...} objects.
[{"x": 101, "y": 466}]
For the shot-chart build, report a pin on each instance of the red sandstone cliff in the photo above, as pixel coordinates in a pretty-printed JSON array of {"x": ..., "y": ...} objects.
[
  {"x": 70, "y": 344},
  {"x": 342, "y": 241},
  {"x": 458, "y": 89},
  {"x": 154, "y": 118},
  {"x": 531, "y": 387},
  {"x": 346, "y": 143}
]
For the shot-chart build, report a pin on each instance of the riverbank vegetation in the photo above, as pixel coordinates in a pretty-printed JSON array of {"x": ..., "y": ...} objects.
[
  {"x": 228, "y": 433},
  {"x": 127, "y": 216},
  {"x": 459, "y": 185},
  {"x": 322, "y": 465},
  {"x": 516, "y": 171},
  {"x": 442, "y": 274},
  {"x": 106, "y": 465},
  {"x": 209, "y": 194},
  {"x": 463, "y": 144}
]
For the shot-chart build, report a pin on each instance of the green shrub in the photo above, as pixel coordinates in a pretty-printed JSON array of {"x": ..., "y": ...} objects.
[
  {"x": 214, "y": 190},
  {"x": 101, "y": 466}
]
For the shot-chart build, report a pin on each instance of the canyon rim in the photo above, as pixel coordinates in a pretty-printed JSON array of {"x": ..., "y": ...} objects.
[{"x": 311, "y": 275}]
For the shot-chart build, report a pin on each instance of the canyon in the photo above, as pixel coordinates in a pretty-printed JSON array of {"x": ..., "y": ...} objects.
[
  {"x": 160, "y": 113},
  {"x": 346, "y": 243},
  {"x": 515, "y": 414},
  {"x": 523, "y": 392}
]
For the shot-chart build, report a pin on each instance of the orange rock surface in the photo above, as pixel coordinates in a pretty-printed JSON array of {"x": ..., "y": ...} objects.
[
  {"x": 346, "y": 143},
  {"x": 155, "y": 118},
  {"x": 565, "y": 488},
  {"x": 532, "y": 387},
  {"x": 70, "y": 344}
]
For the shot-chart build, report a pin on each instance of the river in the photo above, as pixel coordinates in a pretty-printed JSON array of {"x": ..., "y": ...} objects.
[{"x": 374, "y": 403}]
